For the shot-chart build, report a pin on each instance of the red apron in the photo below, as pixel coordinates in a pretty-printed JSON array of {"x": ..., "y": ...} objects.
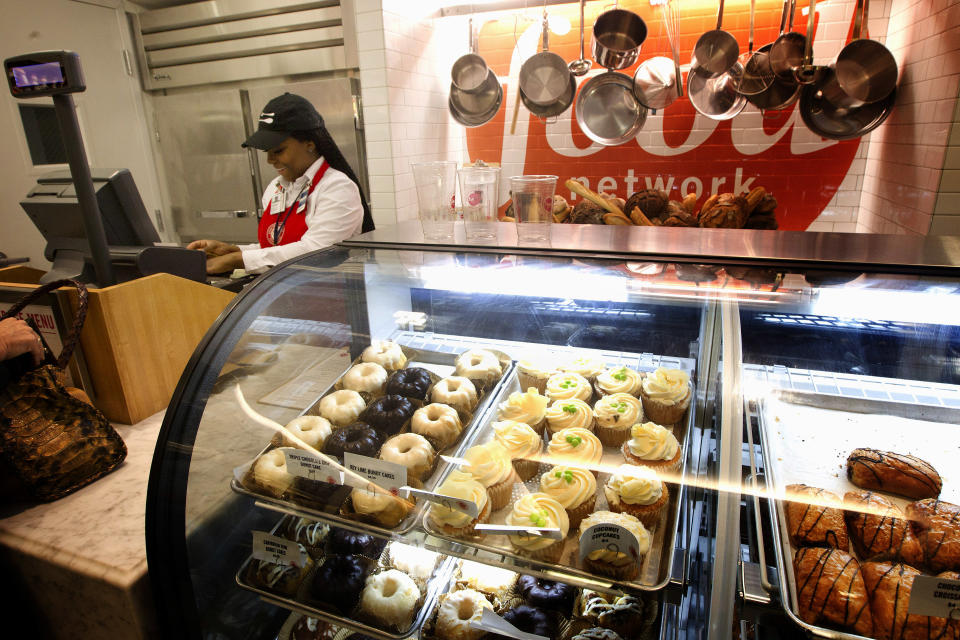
[{"x": 290, "y": 224}]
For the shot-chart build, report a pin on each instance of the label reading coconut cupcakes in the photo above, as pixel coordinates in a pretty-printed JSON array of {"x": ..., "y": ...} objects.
[
  {"x": 387, "y": 475},
  {"x": 609, "y": 537},
  {"x": 457, "y": 504},
  {"x": 306, "y": 465},
  {"x": 268, "y": 548}
]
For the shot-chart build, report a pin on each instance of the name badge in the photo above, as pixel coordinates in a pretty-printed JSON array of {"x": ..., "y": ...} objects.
[{"x": 277, "y": 203}]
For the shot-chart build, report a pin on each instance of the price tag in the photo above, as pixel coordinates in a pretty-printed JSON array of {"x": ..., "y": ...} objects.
[
  {"x": 609, "y": 537},
  {"x": 304, "y": 464},
  {"x": 270, "y": 548},
  {"x": 522, "y": 532},
  {"x": 933, "y": 596},
  {"x": 387, "y": 475},
  {"x": 492, "y": 623},
  {"x": 457, "y": 504}
]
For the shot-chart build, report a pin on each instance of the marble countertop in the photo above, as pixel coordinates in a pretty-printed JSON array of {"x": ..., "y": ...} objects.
[{"x": 97, "y": 531}]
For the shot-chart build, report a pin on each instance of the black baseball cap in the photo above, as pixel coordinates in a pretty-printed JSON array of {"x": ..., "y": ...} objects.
[{"x": 282, "y": 116}]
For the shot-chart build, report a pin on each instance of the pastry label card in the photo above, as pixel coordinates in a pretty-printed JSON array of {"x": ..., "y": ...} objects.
[
  {"x": 933, "y": 596},
  {"x": 609, "y": 538},
  {"x": 304, "y": 464},
  {"x": 270, "y": 548},
  {"x": 492, "y": 623},
  {"x": 522, "y": 532},
  {"x": 457, "y": 504},
  {"x": 387, "y": 475}
]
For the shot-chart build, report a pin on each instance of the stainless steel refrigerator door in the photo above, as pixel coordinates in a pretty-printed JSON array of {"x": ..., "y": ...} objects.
[
  {"x": 335, "y": 100},
  {"x": 207, "y": 172}
]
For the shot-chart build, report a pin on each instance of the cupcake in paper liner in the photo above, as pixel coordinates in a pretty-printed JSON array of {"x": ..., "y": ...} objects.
[
  {"x": 615, "y": 414},
  {"x": 570, "y": 413},
  {"x": 567, "y": 385},
  {"x": 666, "y": 395},
  {"x": 541, "y": 511},
  {"x": 454, "y": 522},
  {"x": 534, "y": 374},
  {"x": 490, "y": 465},
  {"x": 573, "y": 487},
  {"x": 528, "y": 406},
  {"x": 638, "y": 491},
  {"x": 586, "y": 366},
  {"x": 378, "y": 508},
  {"x": 613, "y": 563},
  {"x": 619, "y": 380},
  {"x": 523, "y": 446},
  {"x": 575, "y": 447},
  {"x": 652, "y": 445}
]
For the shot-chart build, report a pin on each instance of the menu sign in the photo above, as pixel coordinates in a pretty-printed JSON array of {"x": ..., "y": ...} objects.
[
  {"x": 611, "y": 538},
  {"x": 304, "y": 464},
  {"x": 270, "y": 548},
  {"x": 387, "y": 475}
]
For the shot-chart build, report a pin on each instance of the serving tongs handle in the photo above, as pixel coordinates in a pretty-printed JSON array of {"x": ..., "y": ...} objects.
[
  {"x": 807, "y": 73},
  {"x": 768, "y": 586}
]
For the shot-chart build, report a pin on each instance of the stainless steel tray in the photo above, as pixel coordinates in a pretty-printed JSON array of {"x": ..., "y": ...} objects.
[
  {"x": 437, "y": 584},
  {"x": 657, "y": 567},
  {"x": 438, "y": 362},
  {"x": 806, "y": 436}
]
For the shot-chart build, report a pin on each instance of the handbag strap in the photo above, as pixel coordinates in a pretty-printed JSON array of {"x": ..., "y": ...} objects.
[{"x": 73, "y": 336}]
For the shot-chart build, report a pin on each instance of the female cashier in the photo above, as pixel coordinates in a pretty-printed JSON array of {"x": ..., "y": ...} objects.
[{"x": 314, "y": 202}]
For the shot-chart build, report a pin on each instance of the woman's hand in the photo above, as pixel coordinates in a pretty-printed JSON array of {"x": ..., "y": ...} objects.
[
  {"x": 213, "y": 248},
  {"x": 16, "y": 337}
]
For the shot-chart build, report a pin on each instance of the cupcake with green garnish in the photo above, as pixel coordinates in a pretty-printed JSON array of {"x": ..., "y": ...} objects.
[
  {"x": 566, "y": 386},
  {"x": 614, "y": 415},
  {"x": 540, "y": 511},
  {"x": 619, "y": 380},
  {"x": 564, "y": 414},
  {"x": 575, "y": 447},
  {"x": 573, "y": 487}
]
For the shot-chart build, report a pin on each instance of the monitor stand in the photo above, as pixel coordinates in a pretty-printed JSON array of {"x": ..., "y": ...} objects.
[{"x": 68, "y": 264}]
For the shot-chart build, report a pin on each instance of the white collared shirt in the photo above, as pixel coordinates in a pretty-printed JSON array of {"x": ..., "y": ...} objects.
[{"x": 334, "y": 213}]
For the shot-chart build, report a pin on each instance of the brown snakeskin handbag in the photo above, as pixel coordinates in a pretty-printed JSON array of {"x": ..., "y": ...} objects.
[{"x": 52, "y": 442}]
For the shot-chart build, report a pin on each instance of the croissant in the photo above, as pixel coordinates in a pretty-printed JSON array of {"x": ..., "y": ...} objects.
[
  {"x": 830, "y": 589},
  {"x": 938, "y": 526},
  {"x": 815, "y": 518},
  {"x": 879, "y": 529},
  {"x": 894, "y": 472}
]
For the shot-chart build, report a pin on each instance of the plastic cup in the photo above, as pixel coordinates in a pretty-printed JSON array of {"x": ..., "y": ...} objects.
[
  {"x": 480, "y": 194},
  {"x": 436, "y": 185},
  {"x": 533, "y": 206}
]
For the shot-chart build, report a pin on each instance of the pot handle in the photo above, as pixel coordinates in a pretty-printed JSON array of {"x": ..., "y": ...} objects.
[
  {"x": 720, "y": 15},
  {"x": 783, "y": 16},
  {"x": 807, "y": 72},
  {"x": 546, "y": 31}
]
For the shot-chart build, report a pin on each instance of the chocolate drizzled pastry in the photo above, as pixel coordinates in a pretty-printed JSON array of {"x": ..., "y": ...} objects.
[
  {"x": 889, "y": 586},
  {"x": 652, "y": 202},
  {"x": 897, "y": 473},
  {"x": 815, "y": 518},
  {"x": 587, "y": 212},
  {"x": 938, "y": 528},
  {"x": 830, "y": 589},
  {"x": 879, "y": 530}
]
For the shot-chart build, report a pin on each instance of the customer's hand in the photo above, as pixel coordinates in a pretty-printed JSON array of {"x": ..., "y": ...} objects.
[
  {"x": 225, "y": 263},
  {"x": 213, "y": 247},
  {"x": 16, "y": 337}
]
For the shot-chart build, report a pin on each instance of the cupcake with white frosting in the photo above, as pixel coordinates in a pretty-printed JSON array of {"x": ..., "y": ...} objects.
[
  {"x": 575, "y": 447},
  {"x": 573, "y": 487},
  {"x": 586, "y": 366},
  {"x": 490, "y": 465},
  {"x": 638, "y": 491},
  {"x": 534, "y": 373},
  {"x": 653, "y": 446},
  {"x": 666, "y": 395},
  {"x": 564, "y": 414},
  {"x": 619, "y": 380},
  {"x": 538, "y": 510},
  {"x": 615, "y": 414},
  {"x": 454, "y": 521},
  {"x": 522, "y": 444},
  {"x": 567, "y": 385},
  {"x": 528, "y": 407}
]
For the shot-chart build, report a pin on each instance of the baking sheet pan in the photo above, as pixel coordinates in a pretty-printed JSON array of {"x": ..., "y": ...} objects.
[
  {"x": 806, "y": 438},
  {"x": 657, "y": 565},
  {"x": 437, "y": 585},
  {"x": 443, "y": 365}
]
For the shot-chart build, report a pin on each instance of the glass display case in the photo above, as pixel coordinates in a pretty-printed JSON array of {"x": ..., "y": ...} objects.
[{"x": 782, "y": 368}]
